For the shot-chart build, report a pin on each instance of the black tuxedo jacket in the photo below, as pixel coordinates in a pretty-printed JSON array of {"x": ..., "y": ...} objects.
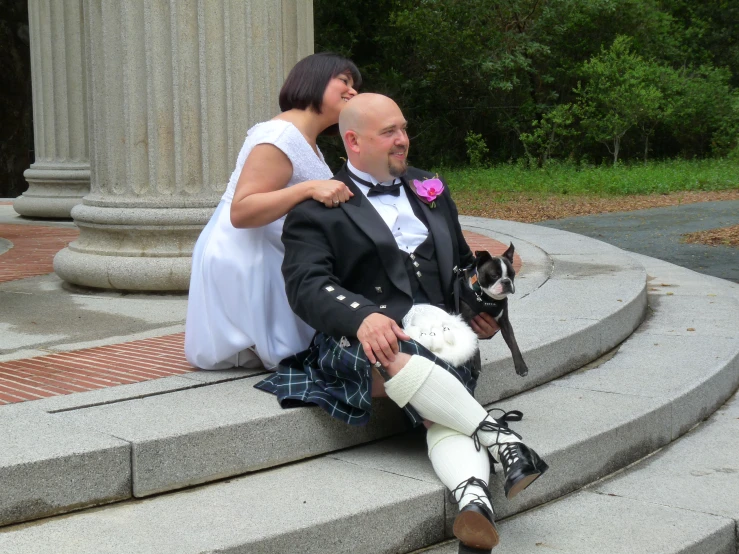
[{"x": 342, "y": 264}]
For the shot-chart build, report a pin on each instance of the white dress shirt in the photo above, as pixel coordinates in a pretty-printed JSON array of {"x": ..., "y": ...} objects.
[{"x": 395, "y": 211}]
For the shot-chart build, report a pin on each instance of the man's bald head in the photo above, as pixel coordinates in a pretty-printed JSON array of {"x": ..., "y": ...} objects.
[
  {"x": 360, "y": 109},
  {"x": 373, "y": 130}
]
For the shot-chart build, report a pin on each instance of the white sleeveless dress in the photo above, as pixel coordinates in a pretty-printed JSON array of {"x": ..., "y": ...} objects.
[{"x": 237, "y": 295}]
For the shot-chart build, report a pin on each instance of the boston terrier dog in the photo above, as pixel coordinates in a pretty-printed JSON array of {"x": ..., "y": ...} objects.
[{"x": 484, "y": 287}]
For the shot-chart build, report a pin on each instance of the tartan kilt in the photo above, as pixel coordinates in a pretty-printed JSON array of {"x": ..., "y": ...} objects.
[{"x": 339, "y": 378}]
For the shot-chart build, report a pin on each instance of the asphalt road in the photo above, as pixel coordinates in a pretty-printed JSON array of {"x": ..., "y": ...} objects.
[{"x": 656, "y": 232}]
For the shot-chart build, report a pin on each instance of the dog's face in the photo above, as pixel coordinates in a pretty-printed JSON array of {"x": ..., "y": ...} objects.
[{"x": 495, "y": 273}]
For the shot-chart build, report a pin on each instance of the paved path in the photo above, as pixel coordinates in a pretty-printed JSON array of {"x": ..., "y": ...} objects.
[{"x": 656, "y": 232}]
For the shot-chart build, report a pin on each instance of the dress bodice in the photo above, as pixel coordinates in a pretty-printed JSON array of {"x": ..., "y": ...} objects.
[{"x": 237, "y": 295}]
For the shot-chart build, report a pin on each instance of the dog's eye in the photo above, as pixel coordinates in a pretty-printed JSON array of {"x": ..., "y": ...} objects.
[
  {"x": 432, "y": 334},
  {"x": 447, "y": 329}
]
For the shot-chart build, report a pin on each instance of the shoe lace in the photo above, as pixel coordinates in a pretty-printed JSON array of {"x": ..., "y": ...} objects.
[
  {"x": 509, "y": 453},
  {"x": 498, "y": 425},
  {"x": 462, "y": 488}
]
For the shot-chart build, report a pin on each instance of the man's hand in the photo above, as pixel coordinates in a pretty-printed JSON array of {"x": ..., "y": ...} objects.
[
  {"x": 484, "y": 325},
  {"x": 379, "y": 337}
]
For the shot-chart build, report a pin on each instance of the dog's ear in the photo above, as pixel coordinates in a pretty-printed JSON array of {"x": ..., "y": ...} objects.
[
  {"x": 482, "y": 256},
  {"x": 508, "y": 254}
]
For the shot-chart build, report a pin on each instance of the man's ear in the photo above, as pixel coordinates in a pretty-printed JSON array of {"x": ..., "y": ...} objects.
[
  {"x": 351, "y": 141},
  {"x": 508, "y": 254}
]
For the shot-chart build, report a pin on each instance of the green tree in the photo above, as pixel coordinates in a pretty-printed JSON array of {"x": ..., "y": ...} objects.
[
  {"x": 548, "y": 133},
  {"x": 708, "y": 32},
  {"x": 500, "y": 68},
  {"x": 617, "y": 94},
  {"x": 703, "y": 104},
  {"x": 468, "y": 67}
]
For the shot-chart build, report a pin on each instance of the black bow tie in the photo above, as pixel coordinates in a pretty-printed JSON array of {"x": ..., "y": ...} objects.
[{"x": 376, "y": 190}]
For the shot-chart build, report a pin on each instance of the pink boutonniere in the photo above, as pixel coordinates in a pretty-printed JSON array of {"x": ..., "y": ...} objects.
[{"x": 428, "y": 190}]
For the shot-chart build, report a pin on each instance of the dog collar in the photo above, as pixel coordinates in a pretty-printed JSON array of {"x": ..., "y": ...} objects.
[
  {"x": 472, "y": 290},
  {"x": 473, "y": 283}
]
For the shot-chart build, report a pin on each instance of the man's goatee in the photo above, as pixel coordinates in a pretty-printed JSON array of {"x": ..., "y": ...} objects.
[{"x": 396, "y": 171}]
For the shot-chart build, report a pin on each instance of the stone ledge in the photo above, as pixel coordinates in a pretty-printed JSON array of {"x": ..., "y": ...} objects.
[
  {"x": 49, "y": 467},
  {"x": 316, "y": 507},
  {"x": 588, "y": 523},
  {"x": 204, "y": 434}
]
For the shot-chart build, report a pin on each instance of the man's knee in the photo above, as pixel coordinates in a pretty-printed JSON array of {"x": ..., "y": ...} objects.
[
  {"x": 401, "y": 359},
  {"x": 410, "y": 374}
]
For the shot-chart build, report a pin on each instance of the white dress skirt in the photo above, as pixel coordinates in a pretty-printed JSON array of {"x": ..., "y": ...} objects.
[{"x": 237, "y": 305}]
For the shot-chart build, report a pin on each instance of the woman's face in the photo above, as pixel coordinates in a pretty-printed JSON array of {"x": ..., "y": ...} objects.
[{"x": 338, "y": 92}]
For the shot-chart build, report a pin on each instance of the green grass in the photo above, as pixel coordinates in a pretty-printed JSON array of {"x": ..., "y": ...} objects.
[{"x": 561, "y": 179}]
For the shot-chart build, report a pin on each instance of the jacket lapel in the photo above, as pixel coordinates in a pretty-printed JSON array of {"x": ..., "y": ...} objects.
[
  {"x": 440, "y": 231},
  {"x": 364, "y": 215}
]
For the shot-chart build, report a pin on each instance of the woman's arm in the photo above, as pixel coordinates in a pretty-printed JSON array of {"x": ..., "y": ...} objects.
[{"x": 261, "y": 196}]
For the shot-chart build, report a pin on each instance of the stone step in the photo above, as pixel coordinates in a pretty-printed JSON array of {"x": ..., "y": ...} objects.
[
  {"x": 384, "y": 497},
  {"x": 674, "y": 371},
  {"x": 682, "y": 500},
  {"x": 570, "y": 309}
]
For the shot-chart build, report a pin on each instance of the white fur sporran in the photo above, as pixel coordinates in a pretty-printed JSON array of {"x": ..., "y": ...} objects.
[{"x": 446, "y": 335}]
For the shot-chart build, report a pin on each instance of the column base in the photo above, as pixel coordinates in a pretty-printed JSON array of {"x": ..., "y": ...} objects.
[
  {"x": 142, "y": 249},
  {"x": 53, "y": 190},
  {"x": 123, "y": 273}
]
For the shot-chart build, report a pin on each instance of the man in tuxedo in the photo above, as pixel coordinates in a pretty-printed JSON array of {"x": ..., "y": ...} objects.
[{"x": 353, "y": 272}]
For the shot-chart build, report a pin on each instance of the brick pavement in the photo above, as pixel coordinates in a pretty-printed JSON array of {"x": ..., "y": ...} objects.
[
  {"x": 104, "y": 366},
  {"x": 33, "y": 249},
  {"x": 92, "y": 368}
]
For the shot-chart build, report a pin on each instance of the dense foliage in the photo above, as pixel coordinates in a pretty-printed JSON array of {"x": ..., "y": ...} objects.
[{"x": 530, "y": 81}]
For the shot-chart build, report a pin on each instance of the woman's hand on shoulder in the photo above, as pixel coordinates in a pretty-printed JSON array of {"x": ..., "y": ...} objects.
[{"x": 330, "y": 193}]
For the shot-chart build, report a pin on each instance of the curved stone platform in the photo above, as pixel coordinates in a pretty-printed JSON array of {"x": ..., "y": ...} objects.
[
  {"x": 210, "y": 432},
  {"x": 577, "y": 298},
  {"x": 587, "y": 424}
]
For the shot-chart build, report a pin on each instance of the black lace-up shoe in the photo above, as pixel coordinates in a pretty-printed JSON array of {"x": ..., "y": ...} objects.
[
  {"x": 474, "y": 526},
  {"x": 521, "y": 467}
]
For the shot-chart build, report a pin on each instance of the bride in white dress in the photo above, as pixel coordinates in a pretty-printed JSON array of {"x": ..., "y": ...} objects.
[{"x": 237, "y": 313}]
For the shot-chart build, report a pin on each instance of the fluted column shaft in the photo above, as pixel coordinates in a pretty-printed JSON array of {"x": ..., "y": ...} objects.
[
  {"x": 60, "y": 175},
  {"x": 174, "y": 86}
]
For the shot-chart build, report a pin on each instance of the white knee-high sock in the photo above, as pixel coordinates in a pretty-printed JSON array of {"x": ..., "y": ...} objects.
[
  {"x": 439, "y": 397},
  {"x": 455, "y": 459}
]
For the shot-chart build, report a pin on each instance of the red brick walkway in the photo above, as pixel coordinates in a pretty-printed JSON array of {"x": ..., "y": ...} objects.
[
  {"x": 481, "y": 242},
  {"x": 92, "y": 368},
  {"x": 104, "y": 366},
  {"x": 34, "y": 247}
]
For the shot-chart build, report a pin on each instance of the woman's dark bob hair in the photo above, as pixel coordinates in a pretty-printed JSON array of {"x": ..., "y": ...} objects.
[{"x": 307, "y": 81}]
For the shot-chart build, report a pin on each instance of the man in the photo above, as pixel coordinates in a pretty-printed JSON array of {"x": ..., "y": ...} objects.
[{"x": 353, "y": 273}]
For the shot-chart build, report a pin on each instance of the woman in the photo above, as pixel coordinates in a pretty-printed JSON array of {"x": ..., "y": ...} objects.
[{"x": 238, "y": 314}]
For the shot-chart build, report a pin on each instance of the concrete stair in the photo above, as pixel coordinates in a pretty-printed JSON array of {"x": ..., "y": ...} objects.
[
  {"x": 641, "y": 383},
  {"x": 684, "y": 498}
]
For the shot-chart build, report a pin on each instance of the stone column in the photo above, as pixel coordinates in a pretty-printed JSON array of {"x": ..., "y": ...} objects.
[
  {"x": 174, "y": 86},
  {"x": 60, "y": 176}
]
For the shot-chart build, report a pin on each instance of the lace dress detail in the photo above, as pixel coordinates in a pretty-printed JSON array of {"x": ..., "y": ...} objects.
[{"x": 237, "y": 295}]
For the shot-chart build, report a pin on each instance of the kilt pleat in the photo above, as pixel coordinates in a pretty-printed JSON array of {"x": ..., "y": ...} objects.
[{"x": 339, "y": 378}]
